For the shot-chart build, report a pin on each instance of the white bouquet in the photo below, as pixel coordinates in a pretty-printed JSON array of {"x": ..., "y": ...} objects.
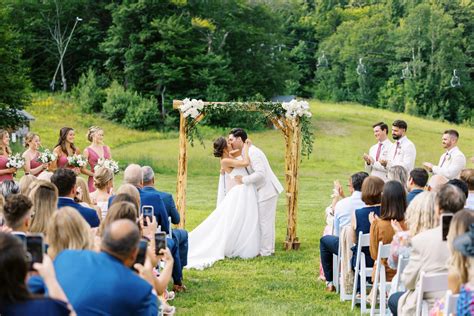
[
  {"x": 46, "y": 156},
  {"x": 296, "y": 108},
  {"x": 107, "y": 163},
  {"x": 15, "y": 161},
  {"x": 77, "y": 161},
  {"x": 191, "y": 107}
]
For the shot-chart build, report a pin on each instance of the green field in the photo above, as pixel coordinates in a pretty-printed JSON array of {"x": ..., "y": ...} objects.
[{"x": 286, "y": 283}]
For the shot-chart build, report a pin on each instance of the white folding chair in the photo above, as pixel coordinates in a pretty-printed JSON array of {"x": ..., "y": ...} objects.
[
  {"x": 397, "y": 285},
  {"x": 169, "y": 225},
  {"x": 335, "y": 269},
  {"x": 433, "y": 282},
  {"x": 450, "y": 303},
  {"x": 380, "y": 281},
  {"x": 361, "y": 271}
]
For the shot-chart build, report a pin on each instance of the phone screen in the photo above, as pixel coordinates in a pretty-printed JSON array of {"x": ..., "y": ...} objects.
[
  {"x": 35, "y": 248},
  {"x": 445, "y": 222},
  {"x": 141, "y": 252},
  {"x": 147, "y": 211},
  {"x": 160, "y": 242}
]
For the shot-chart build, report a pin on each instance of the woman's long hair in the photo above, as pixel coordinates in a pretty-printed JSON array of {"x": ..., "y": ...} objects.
[
  {"x": 394, "y": 201},
  {"x": 62, "y": 140},
  {"x": 458, "y": 263},
  {"x": 7, "y": 149},
  {"x": 44, "y": 196}
]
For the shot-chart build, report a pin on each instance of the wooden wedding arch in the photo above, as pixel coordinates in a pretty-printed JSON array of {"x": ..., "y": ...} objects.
[{"x": 291, "y": 129}]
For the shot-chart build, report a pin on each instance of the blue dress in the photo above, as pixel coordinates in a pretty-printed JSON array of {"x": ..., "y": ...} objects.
[
  {"x": 37, "y": 306},
  {"x": 363, "y": 225}
]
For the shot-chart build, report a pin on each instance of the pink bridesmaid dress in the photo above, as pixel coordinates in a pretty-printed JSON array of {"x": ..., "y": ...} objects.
[
  {"x": 34, "y": 163},
  {"x": 93, "y": 159},
  {"x": 62, "y": 162},
  {"x": 3, "y": 165}
]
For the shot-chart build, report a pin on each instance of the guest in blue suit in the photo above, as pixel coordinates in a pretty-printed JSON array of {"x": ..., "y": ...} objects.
[
  {"x": 15, "y": 299},
  {"x": 65, "y": 181},
  {"x": 180, "y": 236},
  {"x": 416, "y": 183}
]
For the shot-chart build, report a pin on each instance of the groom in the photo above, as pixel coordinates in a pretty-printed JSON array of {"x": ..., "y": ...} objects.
[{"x": 268, "y": 188}]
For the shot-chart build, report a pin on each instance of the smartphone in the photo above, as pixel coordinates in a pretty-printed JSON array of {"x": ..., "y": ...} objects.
[
  {"x": 445, "y": 222},
  {"x": 141, "y": 256},
  {"x": 35, "y": 248},
  {"x": 160, "y": 242},
  {"x": 147, "y": 211}
]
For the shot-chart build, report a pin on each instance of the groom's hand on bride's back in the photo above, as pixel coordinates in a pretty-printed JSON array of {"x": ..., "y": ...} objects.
[{"x": 238, "y": 180}]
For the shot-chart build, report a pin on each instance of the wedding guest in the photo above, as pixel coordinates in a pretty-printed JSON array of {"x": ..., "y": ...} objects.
[
  {"x": 26, "y": 183},
  {"x": 67, "y": 229},
  {"x": 15, "y": 299},
  {"x": 65, "y": 181},
  {"x": 17, "y": 213},
  {"x": 436, "y": 182},
  {"x": 416, "y": 183},
  {"x": 9, "y": 187},
  {"x": 378, "y": 152},
  {"x": 32, "y": 165},
  {"x": 95, "y": 151},
  {"x": 64, "y": 149},
  {"x": 392, "y": 208},
  {"x": 44, "y": 197},
  {"x": 129, "y": 193},
  {"x": 45, "y": 175},
  {"x": 453, "y": 161},
  {"x": 398, "y": 173},
  {"x": 465, "y": 245},
  {"x": 467, "y": 175},
  {"x": 120, "y": 210},
  {"x": 104, "y": 183},
  {"x": 5, "y": 151},
  {"x": 429, "y": 253},
  {"x": 82, "y": 193},
  {"x": 403, "y": 151}
]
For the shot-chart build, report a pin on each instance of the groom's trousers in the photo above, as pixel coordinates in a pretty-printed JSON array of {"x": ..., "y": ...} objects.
[{"x": 267, "y": 214}]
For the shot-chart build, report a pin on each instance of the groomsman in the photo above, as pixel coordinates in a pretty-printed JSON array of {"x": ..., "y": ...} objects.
[
  {"x": 378, "y": 152},
  {"x": 403, "y": 151},
  {"x": 453, "y": 161}
]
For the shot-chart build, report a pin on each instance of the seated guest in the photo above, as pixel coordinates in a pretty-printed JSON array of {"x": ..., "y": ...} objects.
[
  {"x": 416, "y": 183},
  {"x": 65, "y": 181},
  {"x": 465, "y": 245},
  {"x": 436, "y": 182},
  {"x": 82, "y": 193},
  {"x": 25, "y": 184},
  {"x": 8, "y": 187},
  {"x": 461, "y": 185},
  {"x": 467, "y": 175},
  {"x": 398, "y": 173},
  {"x": 429, "y": 253},
  {"x": 103, "y": 282},
  {"x": 373, "y": 187},
  {"x": 44, "y": 197},
  {"x": 344, "y": 209},
  {"x": 67, "y": 229},
  {"x": 132, "y": 195},
  {"x": 392, "y": 208},
  {"x": 15, "y": 299},
  {"x": 17, "y": 212},
  {"x": 120, "y": 209},
  {"x": 104, "y": 183}
]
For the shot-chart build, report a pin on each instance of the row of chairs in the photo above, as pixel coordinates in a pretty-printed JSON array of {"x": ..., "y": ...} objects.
[{"x": 382, "y": 288}]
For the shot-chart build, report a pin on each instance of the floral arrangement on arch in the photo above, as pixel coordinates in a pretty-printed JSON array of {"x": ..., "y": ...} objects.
[{"x": 293, "y": 110}]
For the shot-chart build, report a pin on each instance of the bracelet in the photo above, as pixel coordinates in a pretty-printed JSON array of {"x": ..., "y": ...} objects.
[{"x": 27, "y": 173}]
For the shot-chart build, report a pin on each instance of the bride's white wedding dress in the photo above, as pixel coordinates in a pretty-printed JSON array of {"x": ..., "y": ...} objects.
[{"x": 231, "y": 230}]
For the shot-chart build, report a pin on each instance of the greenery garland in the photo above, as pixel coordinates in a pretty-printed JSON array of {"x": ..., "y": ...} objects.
[{"x": 193, "y": 110}]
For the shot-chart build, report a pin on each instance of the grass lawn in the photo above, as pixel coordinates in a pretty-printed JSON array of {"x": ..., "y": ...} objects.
[{"x": 286, "y": 283}]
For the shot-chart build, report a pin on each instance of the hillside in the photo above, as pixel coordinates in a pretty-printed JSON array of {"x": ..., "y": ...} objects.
[{"x": 286, "y": 283}]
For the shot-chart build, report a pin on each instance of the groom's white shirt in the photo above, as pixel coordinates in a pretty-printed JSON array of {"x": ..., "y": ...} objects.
[{"x": 261, "y": 174}]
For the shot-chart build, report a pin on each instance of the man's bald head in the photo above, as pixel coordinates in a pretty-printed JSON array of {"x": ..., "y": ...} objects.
[
  {"x": 121, "y": 238},
  {"x": 133, "y": 175},
  {"x": 436, "y": 181}
]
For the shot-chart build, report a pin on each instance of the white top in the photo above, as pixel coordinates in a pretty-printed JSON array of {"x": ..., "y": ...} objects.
[
  {"x": 376, "y": 169},
  {"x": 451, "y": 163},
  {"x": 345, "y": 208},
  {"x": 404, "y": 155},
  {"x": 470, "y": 201}
]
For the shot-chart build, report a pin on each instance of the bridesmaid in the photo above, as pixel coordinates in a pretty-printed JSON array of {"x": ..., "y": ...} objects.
[
  {"x": 5, "y": 151},
  {"x": 32, "y": 165},
  {"x": 94, "y": 152},
  {"x": 65, "y": 148}
]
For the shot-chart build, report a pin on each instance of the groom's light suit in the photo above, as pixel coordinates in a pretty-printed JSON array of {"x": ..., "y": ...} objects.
[{"x": 268, "y": 189}]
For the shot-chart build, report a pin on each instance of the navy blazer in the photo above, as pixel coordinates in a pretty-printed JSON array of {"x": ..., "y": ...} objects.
[
  {"x": 169, "y": 204},
  {"x": 148, "y": 197},
  {"x": 89, "y": 214},
  {"x": 36, "y": 306},
  {"x": 98, "y": 283}
]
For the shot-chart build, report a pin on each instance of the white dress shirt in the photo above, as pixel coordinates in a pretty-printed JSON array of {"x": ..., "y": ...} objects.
[
  {"x": 450, "y": 164},
  {"x": 402, "y": 153},
  {"x": 376, "y": 169},
  {"x": 345, "y": 208}
]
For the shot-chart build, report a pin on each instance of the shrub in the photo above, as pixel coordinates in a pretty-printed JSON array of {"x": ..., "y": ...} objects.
[
  {"x": 143, "y": 115},
  {"x": 87, "y": 94},
  {"x": 118, "y": 102}
]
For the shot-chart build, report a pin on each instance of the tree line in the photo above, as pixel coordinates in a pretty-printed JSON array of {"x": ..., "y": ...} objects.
[{"x": 409, "y": 56}]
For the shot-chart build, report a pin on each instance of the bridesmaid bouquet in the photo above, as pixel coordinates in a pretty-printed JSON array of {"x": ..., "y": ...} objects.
[
  {"x": 46, "y": 156},
  {"x": 77, "y": 161},
  {"x": 15, "y": 161},
  {"x": 107, "y": 163}
]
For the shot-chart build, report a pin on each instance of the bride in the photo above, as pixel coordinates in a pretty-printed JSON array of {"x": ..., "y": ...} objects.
[{"x": 232, "y": 228}]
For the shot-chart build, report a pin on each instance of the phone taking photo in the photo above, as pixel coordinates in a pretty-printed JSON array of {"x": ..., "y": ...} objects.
[
  {"x": 147, "y": 211},
  {"x": 160, "y": 242},
  {"x": 445, "y": 222},
  {"x": 141, "y": 256},
  {"x": 35, "y": 247}
]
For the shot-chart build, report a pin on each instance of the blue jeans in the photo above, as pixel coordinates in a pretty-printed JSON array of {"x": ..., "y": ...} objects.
[
  {"x": 393, "y": 302},
  {"x": 328, "y": 245}
]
